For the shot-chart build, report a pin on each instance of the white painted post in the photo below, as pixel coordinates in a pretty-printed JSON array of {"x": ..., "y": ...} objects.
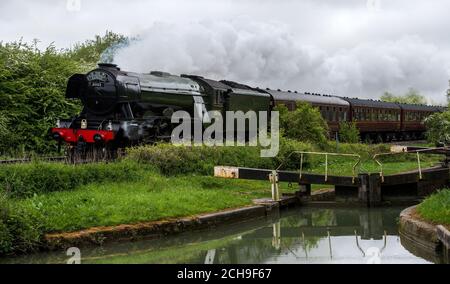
[
  {"x": 273, "y": 177},
  {"x": 276, "y": 237}
]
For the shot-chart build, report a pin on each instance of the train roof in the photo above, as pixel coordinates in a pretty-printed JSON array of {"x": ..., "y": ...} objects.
[
  {"x": 279, "y": 95},
  {"x": 413, "y": 107},
  {"x": 162, "y": 82},
  {"x": 372, "y": 103},
  {"x": 441, "y": 108},
  {"x": 242, "y": 89},
  {"x": 391, "y": 105},
  {"x": 212, "y": 83},
  {"x": 155, "y": 80},
  {"x": 236, "y": 85}
]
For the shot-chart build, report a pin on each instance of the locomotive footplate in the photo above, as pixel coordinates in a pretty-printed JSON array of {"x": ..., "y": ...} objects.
[{"x": 70, "y": 135}]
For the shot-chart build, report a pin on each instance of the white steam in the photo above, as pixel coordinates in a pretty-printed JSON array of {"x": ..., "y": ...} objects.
[{"x": 269, "y": 55}]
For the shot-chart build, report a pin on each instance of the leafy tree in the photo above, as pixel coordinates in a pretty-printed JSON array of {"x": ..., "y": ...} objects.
[
  {"x": 32, "y": 89},
  {"x": 32, "y": 85},
  {"x": 411, "y": 97},
  {"x": 348, "y": 132},
  {"x": 90, "y": 52},
  {"x": 305, "y": 123},
  {"x": 438, "y": 128}
]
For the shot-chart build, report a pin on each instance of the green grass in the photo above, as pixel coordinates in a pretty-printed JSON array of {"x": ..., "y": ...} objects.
[
  {"x": 436, "y": 208},
  {"x": 153, "y": 198},
  {"x": 344, "y": 168},
  {"x": 25, "y": 180}
]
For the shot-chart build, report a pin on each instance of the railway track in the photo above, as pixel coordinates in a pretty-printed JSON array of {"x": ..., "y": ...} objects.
[
  {"x": 72, "y": 160},
  {"x": 406, "y": 143},
  {"x": 28, "y": 160}
]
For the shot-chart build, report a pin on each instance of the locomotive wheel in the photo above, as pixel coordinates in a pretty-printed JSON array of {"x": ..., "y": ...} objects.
[{"x": 90, "y": 153}]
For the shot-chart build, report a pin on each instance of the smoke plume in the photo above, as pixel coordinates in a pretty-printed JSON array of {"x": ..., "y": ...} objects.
[{"x": 267, "y": 54}]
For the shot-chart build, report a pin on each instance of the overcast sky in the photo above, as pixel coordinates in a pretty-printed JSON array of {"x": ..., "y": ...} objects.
[{"x": 355, "y": 48}]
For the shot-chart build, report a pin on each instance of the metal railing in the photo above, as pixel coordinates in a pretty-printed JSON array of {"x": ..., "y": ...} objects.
[
  {"x": 302, "y": 153},
  {"x": 419, "y": 165}
]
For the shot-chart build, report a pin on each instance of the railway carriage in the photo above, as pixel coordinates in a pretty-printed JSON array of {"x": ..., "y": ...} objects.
[
  {"x": 413, "y": 120},
  {"x": 333, "y": 109},
  {"x": 376, "y": 120}
]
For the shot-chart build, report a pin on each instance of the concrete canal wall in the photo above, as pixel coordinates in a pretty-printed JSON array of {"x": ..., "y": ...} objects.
[{"x": 423, "y": 238}]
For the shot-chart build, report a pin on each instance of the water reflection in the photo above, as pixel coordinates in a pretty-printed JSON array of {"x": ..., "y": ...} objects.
[{"x": 306, "y": 235}]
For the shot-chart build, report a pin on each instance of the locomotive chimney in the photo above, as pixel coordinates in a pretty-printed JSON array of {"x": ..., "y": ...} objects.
[{"x": 108, "y": 65}]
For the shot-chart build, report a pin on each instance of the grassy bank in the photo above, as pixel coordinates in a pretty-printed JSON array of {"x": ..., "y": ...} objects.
[
  {"x": 436, "y": 208},
  {"x": 152, "y": 183},
  {"x": 153, "y": 198}
]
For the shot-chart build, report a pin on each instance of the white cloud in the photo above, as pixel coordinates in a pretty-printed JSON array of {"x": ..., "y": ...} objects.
[{"x": 340, "y": 47}]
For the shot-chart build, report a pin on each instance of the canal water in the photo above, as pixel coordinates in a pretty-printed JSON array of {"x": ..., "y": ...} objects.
[{"x": 304, "y": 235}]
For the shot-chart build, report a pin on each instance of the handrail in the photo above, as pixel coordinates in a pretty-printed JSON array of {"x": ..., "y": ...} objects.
[
  {"x": 419, "y": 166},
  {"x": 302, "y": 153}
]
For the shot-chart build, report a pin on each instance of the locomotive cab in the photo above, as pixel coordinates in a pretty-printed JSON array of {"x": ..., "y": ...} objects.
[{"x": 125, "y": 108}]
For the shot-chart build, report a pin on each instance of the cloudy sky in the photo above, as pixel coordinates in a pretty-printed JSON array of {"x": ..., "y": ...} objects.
[{"x": 356, "y": 48}]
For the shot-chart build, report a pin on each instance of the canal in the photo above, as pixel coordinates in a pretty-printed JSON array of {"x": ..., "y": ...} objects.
[{"x": 302, "y": 235}]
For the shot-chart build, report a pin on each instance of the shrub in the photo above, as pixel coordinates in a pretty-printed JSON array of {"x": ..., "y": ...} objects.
[
  {"x": 348, "y": 132},
  {"x": 438, "y": 128},
  {"x": 173, "y": 160},
  {"x": 24, "y": 180},
  {"x": 32, "y": 88},
  {"x": 305, "y": 123}
]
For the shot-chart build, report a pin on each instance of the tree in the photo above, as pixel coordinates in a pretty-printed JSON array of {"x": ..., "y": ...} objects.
[
  {"x": 32, "y": 95},
  {"x": 32, "y": 89},
  {"x": 448, "y": 95},
  {"x": 90, "y": 52},
  {"x": 410, "y": 97},
  {"x": 438, "y": 128},
  {"x": 348, "y": 132},
  {"x": 305, "y": 123}
]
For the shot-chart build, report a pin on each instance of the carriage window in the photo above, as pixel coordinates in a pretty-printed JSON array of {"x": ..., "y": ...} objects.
[{"x": 218, "y": 98}]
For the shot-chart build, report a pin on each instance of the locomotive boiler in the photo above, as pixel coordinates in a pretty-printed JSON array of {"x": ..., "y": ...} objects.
[{"x": 122, "y": 108}]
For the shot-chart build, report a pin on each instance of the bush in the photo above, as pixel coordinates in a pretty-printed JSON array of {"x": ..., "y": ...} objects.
[
  {"x": 32, "y": 88},
  {"x": 173, "y": 160},
  {"x": 305, "y": 123},
  {"x": 438, "y": 128},
  {"x": 348, "y": 132},
  {"x": 24, "y": 180}
]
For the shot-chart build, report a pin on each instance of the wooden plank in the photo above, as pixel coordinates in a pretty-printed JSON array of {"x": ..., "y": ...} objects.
[
  {"x": 413, "y": 177},
  {"x": 291, "y": 176}
]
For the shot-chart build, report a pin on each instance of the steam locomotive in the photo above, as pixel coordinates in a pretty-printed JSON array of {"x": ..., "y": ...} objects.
[{"x": 122, "y": 108}]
